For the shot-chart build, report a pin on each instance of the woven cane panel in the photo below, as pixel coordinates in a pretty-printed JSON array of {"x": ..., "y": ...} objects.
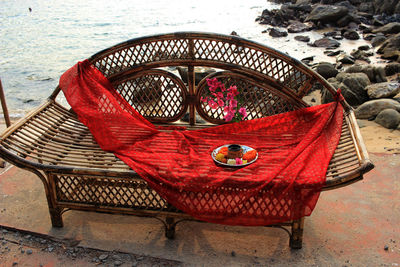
[
  {"x": 255, "y": 59},
  {"x": 210, "y": 48},
  {"x": 259, "y": 101},
  {"x": 141, "y": 53},
  {"x": 109, "y": 192},
  {"x": 158, "y": 96},
  {"x": 232, "y": 201}
]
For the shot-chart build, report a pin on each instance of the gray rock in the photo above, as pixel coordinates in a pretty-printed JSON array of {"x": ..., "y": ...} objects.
[
  {"x": 351, "y": 35},
  {"x": 378, "y": 40},
  {"x": 332, "y": 53},
  {"x": 326, "y": 42},
  {"x": 390, "y": 48},
  {"x": 116, "y": 257},
  {"x": 383, "y": 90},
  {"x": 298, "y": 26},
  {"x": 372, "y": 108},
  {"x": 388, "y": 118},
  {"x": 362, "y": 55},
  {"x": 117, "y": 263},
  {"x": 375, "y": 74},
  {"x": 345, "y": 59},
  {"x": 389, "y": 28},
  {"x": 302, "y": 38},
  {"x": 364, "y": 47},
  {"x": 103, "y": 257},
  {"x": 392, "y": 68},
  {"x": 277, "y": 33},
  {"x": 327, "y": 13},
  {"x": 386, "y": 6},
  {"x": 29, "y": 251},
  {"x": 326, "y": 70},
  {"x": 367, "y": 7},
  {"x": 352, "y": 86}
]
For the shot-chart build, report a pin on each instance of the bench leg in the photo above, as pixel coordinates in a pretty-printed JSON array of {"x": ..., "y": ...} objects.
[
  {"x": 296, "y": 238},
  {"x": 170, "y": 228},
  {"x": 56, "y": 217}
]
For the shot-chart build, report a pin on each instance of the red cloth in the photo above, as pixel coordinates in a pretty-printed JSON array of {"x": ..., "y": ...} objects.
[{"x": 283, "y": 184}]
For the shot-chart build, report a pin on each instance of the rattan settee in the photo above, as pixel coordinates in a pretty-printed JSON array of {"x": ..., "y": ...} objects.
[{"x": 78, "y": 175}]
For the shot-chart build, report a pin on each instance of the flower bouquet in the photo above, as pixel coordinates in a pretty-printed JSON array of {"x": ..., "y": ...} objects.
[{"x": 228, "y": 99}]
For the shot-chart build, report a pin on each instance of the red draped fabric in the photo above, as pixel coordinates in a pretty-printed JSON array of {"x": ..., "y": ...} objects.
[{"x": 283, "y": 184}]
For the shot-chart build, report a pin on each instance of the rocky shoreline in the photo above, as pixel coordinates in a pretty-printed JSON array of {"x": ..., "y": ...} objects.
[{"x": 373, "y": 90}]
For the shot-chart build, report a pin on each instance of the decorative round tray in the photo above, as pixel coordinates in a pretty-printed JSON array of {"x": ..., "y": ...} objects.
[{"x": 245, "y": 149}]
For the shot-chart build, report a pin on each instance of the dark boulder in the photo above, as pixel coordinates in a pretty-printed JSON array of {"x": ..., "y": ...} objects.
[
  {"x": 389, "y": 28},
  {"x": 326, "y": 70},
  {"x": 352, "y": 86},
  {"x": 302, "y": 38},
  {"x": 351, "y": 35},
  {"x": 392, "y": 68},
  {"x": 386, "y": 6},
  {"x": 297, "y": 26},
  {"x": 277, "y": 33},
  {"x": 326, "y": 42},
  {"x": 327, "y": 13},
  {"x": 378, "y": 40},
  {"x": 372, "y": 108},
  {"x": 383, "y": 90},
  {"x": 390, "y": 48},
  {"x": 388, "y": 118},
  {"x": 345, "y": 59},
  {"x": 375, "y": 74}
]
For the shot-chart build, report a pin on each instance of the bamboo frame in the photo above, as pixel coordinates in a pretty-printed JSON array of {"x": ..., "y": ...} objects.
[{"x": 77, "y": 175}]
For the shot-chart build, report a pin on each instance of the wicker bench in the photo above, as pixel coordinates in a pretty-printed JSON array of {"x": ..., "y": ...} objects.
[{"x": 78, "y": 175}]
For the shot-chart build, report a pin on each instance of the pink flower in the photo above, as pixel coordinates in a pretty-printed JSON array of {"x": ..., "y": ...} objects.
[
  {"x": 203, "y": 99},
  {"x": 229, "y": 116},
  {"x": 230, "y": 96},
  {"x": 233, "y": 103},
  {"x": 219, "y": 95},
  {"x": 211, "y": 82},
  {"x": 239, "y": 161},
  {"x": 212, "y": 104},
  {"x": 221, "y": 103},
  {"x": 233, "y": 90},
  {"x": 243, "y": 112}
]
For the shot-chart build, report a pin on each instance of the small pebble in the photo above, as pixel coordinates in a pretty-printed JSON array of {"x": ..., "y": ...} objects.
[
  {"x": 27, "y": 236},
  {"x": 5, "y": 231},
  {"x": 102, "y": 257},
  {"x": 117, "y": 263},
  {"x": 22, "y": 251},
  {"x": 140, "y": 258},
  {"x": 15, "y": 263},
  {"x": 233, "y": 253},
  {"x": 134, "y": 264},
  {"x": 386, "y": 247},
  {"x": 50, "y": 249},
  {"x": 29, "y": 251},
  {"x": 43, "y": 241},
  {"x": 116, "y": 257}
]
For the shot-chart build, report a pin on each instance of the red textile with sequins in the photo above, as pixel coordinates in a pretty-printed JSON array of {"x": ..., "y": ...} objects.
[{"x": 283, "y": 184}]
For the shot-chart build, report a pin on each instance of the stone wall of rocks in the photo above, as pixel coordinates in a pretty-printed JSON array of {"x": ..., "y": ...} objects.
[{"x": 364, "y": 86}]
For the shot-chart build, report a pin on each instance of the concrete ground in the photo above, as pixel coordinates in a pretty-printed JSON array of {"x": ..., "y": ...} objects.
[{"x": 357, "y": 225}]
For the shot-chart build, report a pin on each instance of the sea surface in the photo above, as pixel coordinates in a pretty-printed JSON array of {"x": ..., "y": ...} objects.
[{"x": 37, "y": 46}]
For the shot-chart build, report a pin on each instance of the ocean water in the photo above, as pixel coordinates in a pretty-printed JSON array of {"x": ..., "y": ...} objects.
[{"x": 38, "y": 46}]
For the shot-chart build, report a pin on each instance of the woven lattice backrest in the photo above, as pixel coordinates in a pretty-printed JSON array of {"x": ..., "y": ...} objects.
[{"x": 143, "y": 71}]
